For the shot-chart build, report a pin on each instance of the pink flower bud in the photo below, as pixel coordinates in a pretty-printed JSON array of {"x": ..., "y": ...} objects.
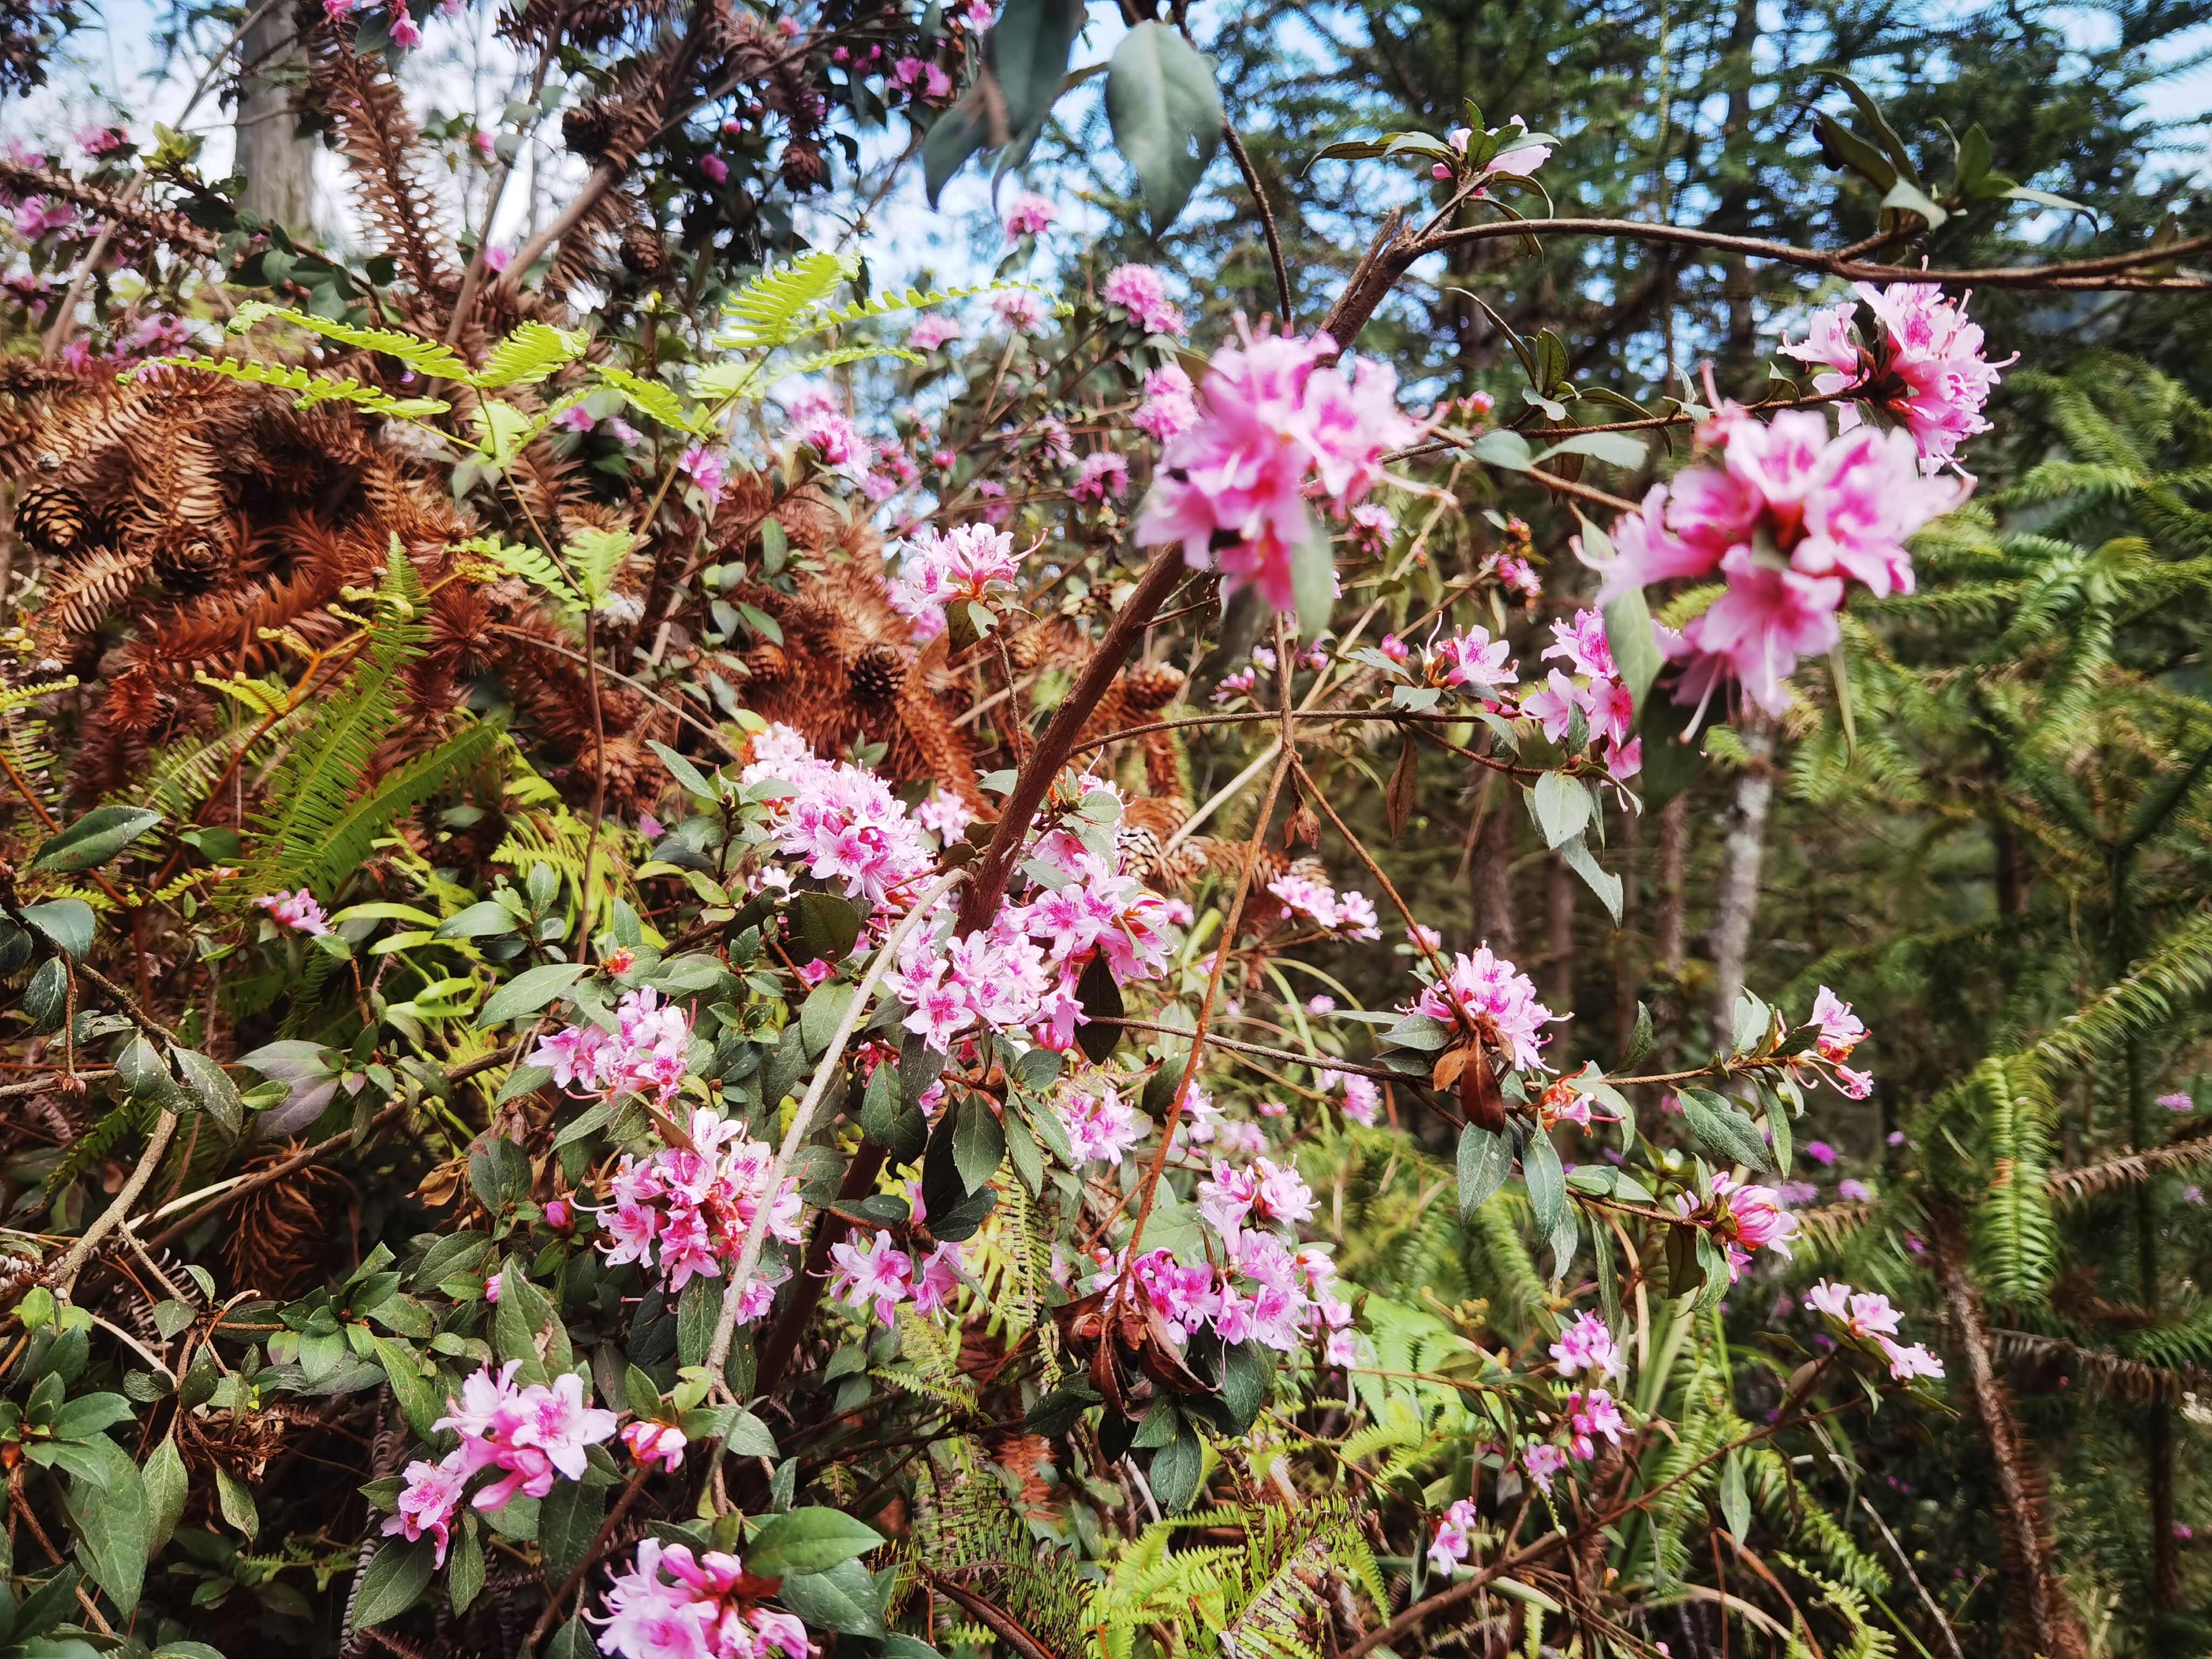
[{"x": 651, "y": 1443}]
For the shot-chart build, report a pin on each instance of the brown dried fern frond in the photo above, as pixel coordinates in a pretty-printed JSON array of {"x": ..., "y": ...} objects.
[
  {"x": 82, "y": 596},
  {"x": 390, "y": 171},
  {"x": 2131, "y": 1169},
  {"x": 2132, "y": 1380},
  {"x": 280, "y": 1234},
  {"x": 149, "y": 222}
]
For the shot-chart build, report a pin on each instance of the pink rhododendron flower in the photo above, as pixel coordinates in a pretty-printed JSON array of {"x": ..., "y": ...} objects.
[
  {"x": 704, "y": 468},
  {"x": 1542, "y": 1462},
  {"x": 880, "y": 1275},
  {"x": 1021, "y": 310},
  {"x": 1363, "y": 1099},
  {"x": 406, "y": 33},
  {"x": 1471, "y": 658},
  {"x": 1741, "y": 1220},
  {"x": 1029, "y": 215},
  {"x": 1455, "y": 1535},
  {"x": 1926, "y": 370},
  {"x": 655, "y": 1443},
  {"x": 940, "y": 567},
  {"x": 1170, "y": 404},
  {"x": 1142, "y": 292},
  {"x": 1272, "y": 418},
  {"x": 1591, "y": 1412},
  {"x": 673, "y": 1604},
  {"x": 931, "y": 332},
  {"x": 646, "y": 1053},
  {"x": 1103, "y": 476},
  {"x": 2176, "y": 1102},
  {"x": 1520, "y": 158},
  {"x": 38, "y": 215},
  {"x": 1586, "y": 1345},
  {"x": 1790, "y": 518},
  {"x": 687, "y": 1210},
  {"x": 937, "y": 1279},
  {"x": 530, "y": 1434},
  {"x": 1498, "y": 1000},
  {"x": 1840, "y": 1030},
  {"x": 297, "y": 911},
  {"x": 841, "y": 823},
  {"x": 428, "y": 1501},
  {"x": 1101, "y": 1126}
]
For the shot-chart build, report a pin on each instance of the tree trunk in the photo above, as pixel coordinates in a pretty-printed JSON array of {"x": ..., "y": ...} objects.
[
  {"x": 278, "y": 164},
  {"x": 2059, "y": 1632},
  {"x": 1559, "y": 921},
  {"x": 1491, "y": 890},
  {"x": 1735, "y": 905}
]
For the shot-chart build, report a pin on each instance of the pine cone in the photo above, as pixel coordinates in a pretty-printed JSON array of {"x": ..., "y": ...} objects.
[
  {"x": 804, "y": 168},
  {"x": 52, "y": 518},
  {"x": 642, "y": 251},
  {"x": 1152, "y": 685},
  {"x": 877, "y": 673},
  {"x": 586, "y": 129}
]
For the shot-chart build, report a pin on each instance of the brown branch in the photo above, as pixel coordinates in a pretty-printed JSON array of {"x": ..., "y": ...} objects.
[
  {"x": 996, "y": 868},
  {"x": 1267, "y": 221},
  {"x": 996, "y": 1619},
  {"x": 551, "y": 1616}
]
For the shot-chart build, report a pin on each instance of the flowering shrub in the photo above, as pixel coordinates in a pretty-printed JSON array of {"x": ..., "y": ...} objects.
[{"x": 787, "y": 989}]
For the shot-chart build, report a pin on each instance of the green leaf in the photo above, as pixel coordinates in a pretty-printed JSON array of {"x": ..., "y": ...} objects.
[
  {"x": 1545, "y": 1180},
  {"x": 1486, "y": 1159},
  {"x": 1165, "y": 110},
  {"x": 808, "y": 1540},
  {"x": 824, "y": 925},
  {"x": 208, "y": 1087},
  {"x": 568, "y": 1518},
  {"x": 167, "y": 1487},
  {"x": 573, "y": 1641},
  {"x": 482, "y": 920},
  {"x": 1578, "y": 858},
  {"x": 109, "y": 1510},
  {"x": 94, "y": 839},
  {"x": 1909, "y": 196},
  {"x": 529, "y": 355},
  {"x": 464, "y": 1571},
  {"x": 1635, "y": 646},
  {"x": 1724, "y": 1129},
  {"x": 529, "y": 991},
  {"x": 236, "y": 1504},
  {"x": 822, "y": 1012},
  {"x": 1619, "y": 449},
  {"x": 1175, "y": 1471},
  {"x": 681, "y": 768},
  {"x": 954, "y": 138},
  {"x": 395, "y": 1577},
  {"x": 1101, "y": 997},
  {"x": 66, "y": 924},
  {"x": 748, "y": 1437},
  {"x": 1735, "y": 1500},
  {"x": 1313, "y": 579},
  {"x": 418, "y": 1398},
  {"x": 1502, "y": 447},
  {"x": 1027, "y": 51},
  {"x": 979, "y": 1143},
  {"x": 1561, "y": 807},
  {"x": 845, "y": 1598}
]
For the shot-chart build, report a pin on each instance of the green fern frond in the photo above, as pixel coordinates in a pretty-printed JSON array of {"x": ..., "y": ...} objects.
[
  {"x": 529, "y": 355},
  {"x": 428, "y": 357},
  {"x": 777, "y": 305},
  {"x": 351, "y": 836},
  {"x": 2015, "y": 1234},
  {"x": 312, "y": 388}
]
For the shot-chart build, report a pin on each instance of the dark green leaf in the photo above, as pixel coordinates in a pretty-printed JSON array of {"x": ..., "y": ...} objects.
[
  {"x": 568, "y": 1519},
  {"x": 67, "y": 924},
  {"x": 1486, "y": 1159},
  {"x": 94, "y": 839},
  {"x": 1724, "y": 1129},
  {"x": 394, "y": 1577},
  {"x": 979, "y": 1143},
  {"x": 808, "y": 1540},
  {"x": 209, "y": 1088},
  {"x": 1101, "y": 998},
  {"x": 1546, "y": 1181},
  {"x": 844, "y": 1598},
  {"x": 1174, "y": 1473},
  {"x": 529, "y": 991},
  {"x": 1165, "y": 112}
]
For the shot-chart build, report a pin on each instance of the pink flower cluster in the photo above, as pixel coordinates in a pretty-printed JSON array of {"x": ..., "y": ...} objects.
[
  {"x": 1788, "y": 519},
  {"x": 938, "y": 567},
  {"x": 673, "y": 1604},
  {"x": 1264, "y": 1192},
  {"x": 1103, "y": 477},
  {"x": 1029, "y": 215},
  {"x": 1102, "y": 1127},
  {"x": 1170, "y": 404},
  {"x": 1606, "y": 709},
  {"x": 1868, "y": 1318},
  {"x": 705, "y": 469},
  {"x": 1022, "y": 311},
  {"x": 841, "y": 823},
  {"x": 1273, "y": 419},
  {"x": 1927, "y": 372},
  {"x": 1741, "y": 1220},
  {"x": 1487, "y": 991},
  {"x": 882, "y": 1276},
  {"x": 817, "y": 419},
  {"x": 529, "y": 1434},
  {"x": 1142, "y": 292},
  {"x": 1454, "y": 1537},
  {"x": 1350, "y": 913},
  {"x": 1586, "y": 1345},
  {"x": 645, "y": 1053},
  {"x": 926, "y": 80},
  {"x": 1841, "y": 1032},
  {"x": 931, "y": 332},
  {"x": 1470, "y": 658},
  {"x": 686, "y": 1210},
  {"x": 1265, "y": 1292},
  {"x": 297, "y": 911}
]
